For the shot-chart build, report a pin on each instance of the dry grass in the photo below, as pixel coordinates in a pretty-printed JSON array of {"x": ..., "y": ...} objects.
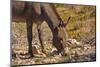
[{"x": 81, "y": 25}]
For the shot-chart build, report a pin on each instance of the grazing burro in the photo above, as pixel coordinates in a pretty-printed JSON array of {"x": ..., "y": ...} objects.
[{"x": 30, "y": 13}]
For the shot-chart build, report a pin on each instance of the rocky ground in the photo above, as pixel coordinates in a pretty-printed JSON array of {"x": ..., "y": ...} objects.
[
  {"x": 76, "y": 51},
  {"x": 80, "y": 47}
]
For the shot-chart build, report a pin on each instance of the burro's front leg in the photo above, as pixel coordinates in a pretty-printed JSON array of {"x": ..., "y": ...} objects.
[
  {"x": 29, "y": 21},
  {"x": 41, "y": 39},
  {"x": 29, "y": 36}
]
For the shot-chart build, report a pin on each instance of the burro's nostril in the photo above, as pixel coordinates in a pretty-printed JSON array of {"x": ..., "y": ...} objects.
[{"x": 60, "y": 39}]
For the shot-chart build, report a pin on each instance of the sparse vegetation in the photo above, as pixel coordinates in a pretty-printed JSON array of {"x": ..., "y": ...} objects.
[{"x": 81, "y": 27}]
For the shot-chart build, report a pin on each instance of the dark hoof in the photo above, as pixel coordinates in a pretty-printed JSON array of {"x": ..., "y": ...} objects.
[
  {"x": 53, "y": 53},
  {"x": 63, "y": 53},
  {"x": 26, "y": 56}
]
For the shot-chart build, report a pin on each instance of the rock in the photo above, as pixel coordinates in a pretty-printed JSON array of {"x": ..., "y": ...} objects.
[{"x": 72, "y": 43}]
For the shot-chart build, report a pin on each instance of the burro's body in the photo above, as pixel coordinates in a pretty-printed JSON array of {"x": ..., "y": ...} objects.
[{"x": 37, "y": 13}]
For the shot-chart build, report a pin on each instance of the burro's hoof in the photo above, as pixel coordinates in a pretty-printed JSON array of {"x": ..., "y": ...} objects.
[
  {"x": 65, "y": 51},
  {"x": 26, "y": 56}
]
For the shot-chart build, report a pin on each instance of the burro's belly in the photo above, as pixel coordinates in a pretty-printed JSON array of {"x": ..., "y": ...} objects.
[
  {"x": 23, "y": 18},
  {"x": 18, "y": 5}
]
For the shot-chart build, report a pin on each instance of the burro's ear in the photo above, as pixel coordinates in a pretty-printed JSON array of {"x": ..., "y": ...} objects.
[
  {"x": 67, "y": 21},
  {"x": 62, "y": 24}
]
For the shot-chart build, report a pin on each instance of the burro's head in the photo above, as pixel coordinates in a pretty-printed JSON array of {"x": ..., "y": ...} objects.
[{"x": 62, "y": 34}]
